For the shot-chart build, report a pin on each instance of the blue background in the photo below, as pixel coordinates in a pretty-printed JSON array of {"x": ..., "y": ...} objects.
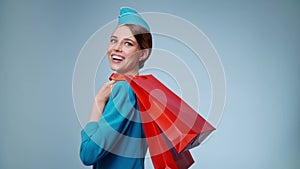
[{"x": 258, "y": 43}]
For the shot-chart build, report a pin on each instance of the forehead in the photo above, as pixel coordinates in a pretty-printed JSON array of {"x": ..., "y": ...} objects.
[{"x": 123, "y": 32}]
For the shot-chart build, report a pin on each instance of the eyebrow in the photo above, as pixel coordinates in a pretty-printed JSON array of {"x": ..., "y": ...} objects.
[
  {"x": 124, "y": 38},
  {"x": 113, "y": 36}
]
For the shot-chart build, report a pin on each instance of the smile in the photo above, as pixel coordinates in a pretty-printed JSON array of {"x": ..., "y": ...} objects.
[{"x": 117, "y": 58}]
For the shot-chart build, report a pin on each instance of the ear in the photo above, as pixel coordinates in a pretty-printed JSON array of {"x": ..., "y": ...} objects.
[{"x": 144, "y": 54}]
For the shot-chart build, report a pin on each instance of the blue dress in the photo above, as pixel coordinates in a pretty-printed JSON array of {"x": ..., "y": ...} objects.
[{"x": 117, "y": 140}]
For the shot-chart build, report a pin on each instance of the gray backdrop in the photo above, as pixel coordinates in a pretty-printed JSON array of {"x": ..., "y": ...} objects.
[{"x": 257, "y": 41}]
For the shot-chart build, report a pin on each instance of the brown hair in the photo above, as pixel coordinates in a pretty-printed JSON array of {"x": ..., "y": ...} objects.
[{"x": 143, "y": 38}]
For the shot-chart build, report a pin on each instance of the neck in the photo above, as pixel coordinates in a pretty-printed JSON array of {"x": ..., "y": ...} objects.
[{"x": 133, "y": 73}]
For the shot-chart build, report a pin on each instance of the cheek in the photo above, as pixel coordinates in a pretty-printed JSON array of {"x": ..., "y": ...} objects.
[
  {"x": 131, "y": 52},
  {"x": 108, "y": 49}
]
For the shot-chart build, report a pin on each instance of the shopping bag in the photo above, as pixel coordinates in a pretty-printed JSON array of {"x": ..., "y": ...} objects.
[
  {"x": 179, "y": 122},
  {"x": 169, "y": 123},
  {"x": 163, "y": 155}
]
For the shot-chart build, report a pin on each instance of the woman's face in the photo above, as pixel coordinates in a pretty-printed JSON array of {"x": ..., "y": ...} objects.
[{"x": 124, "y": 52}]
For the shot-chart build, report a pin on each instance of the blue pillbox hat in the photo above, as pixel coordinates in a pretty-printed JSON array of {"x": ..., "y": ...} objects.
[{"x": 131, "y": 16}]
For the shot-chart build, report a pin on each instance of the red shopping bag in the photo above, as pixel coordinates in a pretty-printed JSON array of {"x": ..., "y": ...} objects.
[
  {"x": 163, "y": 155},
  {"x": 169, "y": 123}
]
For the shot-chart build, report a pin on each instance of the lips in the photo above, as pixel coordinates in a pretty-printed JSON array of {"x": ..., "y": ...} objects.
[{"x": 117, "y": 58}]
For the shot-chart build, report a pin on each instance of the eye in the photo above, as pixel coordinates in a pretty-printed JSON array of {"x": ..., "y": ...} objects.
[
  {"x": 128, "y": 43},
  {"x": 113, "y": 40}
]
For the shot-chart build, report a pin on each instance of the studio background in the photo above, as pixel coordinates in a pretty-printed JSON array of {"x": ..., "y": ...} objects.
[{"x": 257, "y": 41}]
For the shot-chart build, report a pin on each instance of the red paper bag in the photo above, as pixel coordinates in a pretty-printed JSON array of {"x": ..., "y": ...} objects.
[
  {"x": 162, "y": 155},
  {"x": 179, "y": 122},
  {"x": 169, "y": 123}
]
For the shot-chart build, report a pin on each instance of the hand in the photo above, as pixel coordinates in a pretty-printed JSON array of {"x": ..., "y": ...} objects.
[
  {"x": 104, "y": 93},
  {"x": 100, "y": 101}
]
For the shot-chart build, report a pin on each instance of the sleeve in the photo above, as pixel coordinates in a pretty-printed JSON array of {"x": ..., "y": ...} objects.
[{"x": 98, "y": 138}]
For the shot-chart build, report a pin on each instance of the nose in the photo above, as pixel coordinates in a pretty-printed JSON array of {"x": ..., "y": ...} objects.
[{"x": 118, "y": 46}]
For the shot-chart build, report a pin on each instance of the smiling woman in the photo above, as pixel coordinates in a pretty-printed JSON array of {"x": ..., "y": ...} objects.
[
  {"x": 115, "y": 115},
  {"x": 130, "y": 45}
]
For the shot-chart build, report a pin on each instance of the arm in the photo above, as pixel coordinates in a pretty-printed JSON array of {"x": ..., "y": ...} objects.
[
  {"x": 98, "y": 137},
  {"x": 100, "y": 101}
]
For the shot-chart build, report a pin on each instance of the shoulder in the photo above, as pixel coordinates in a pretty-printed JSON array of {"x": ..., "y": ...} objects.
[
  {"x": 122, "y": 99},
  {"x": 122, "y": 89},
  {"x": 121, "y": 84}
]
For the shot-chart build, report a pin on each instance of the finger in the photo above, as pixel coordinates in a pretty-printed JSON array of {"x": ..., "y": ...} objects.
[
  {"x": 109, "y": 85},
  {"x": 112, "y": 82}
]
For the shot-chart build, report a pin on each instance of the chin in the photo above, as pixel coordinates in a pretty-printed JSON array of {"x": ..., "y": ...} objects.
[{"x": 114, "y": 68}]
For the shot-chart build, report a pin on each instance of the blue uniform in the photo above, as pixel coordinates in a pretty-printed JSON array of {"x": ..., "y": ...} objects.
[{"x": 117, "y": 140}]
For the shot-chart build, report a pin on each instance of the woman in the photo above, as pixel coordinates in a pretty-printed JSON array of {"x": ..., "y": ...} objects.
[{"x": 114, "y": 137}]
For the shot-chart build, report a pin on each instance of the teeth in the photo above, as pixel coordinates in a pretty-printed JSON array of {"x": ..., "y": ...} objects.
[{"x": 117, "y": 57}]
